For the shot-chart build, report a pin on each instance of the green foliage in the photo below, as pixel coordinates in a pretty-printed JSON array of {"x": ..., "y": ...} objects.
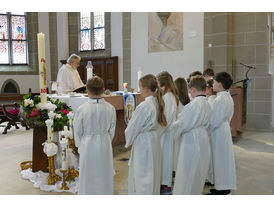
[{"x": 39, "y": 116}]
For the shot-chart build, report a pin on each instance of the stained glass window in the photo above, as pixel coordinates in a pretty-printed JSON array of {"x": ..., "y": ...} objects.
[
  {"x": 96, "y": 35},
  {"x": 99, "y": 31},
  {"x": 85, "y": 42},
  {"x": 13, "y": 40}
]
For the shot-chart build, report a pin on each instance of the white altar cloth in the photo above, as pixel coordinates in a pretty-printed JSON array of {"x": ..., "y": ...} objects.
[
  {"x": 40, "y": 180},
  {"x": 74, "y": 101}
]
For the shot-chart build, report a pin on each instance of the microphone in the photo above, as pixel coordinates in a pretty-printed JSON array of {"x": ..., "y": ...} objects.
[{"x": 250, "y": 67}]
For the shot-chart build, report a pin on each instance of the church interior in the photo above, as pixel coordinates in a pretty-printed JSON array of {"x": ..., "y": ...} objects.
[{"x": 118, "y": 46}]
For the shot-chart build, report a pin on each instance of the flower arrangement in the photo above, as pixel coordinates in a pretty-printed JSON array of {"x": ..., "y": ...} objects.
[{"x": 37, "y": 113}]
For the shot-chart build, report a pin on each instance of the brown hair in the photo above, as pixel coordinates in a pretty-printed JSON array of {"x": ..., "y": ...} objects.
[
  {"x": 192, "y": 74},
  {"x": 150, "y": 82},
  {"x": 208, "y": 72},
  {"x": 198, "y": 82},
  {"x": 165, "y": 79},
  {"x": 95, "y": 85},
  {"x": 181, "y": 86}
]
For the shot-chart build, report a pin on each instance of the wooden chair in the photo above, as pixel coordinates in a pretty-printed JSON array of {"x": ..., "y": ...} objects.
[{"x": 11, "y": 116}]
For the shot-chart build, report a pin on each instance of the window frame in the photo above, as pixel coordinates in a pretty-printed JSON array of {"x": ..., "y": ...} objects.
[
  {"x": 10, "y": 40},
  {"x": 92, "y": 28}
]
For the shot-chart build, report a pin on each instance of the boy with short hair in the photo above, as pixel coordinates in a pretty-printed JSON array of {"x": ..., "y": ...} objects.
[
  {"x": 221, "y": 140},
  {"x": 194, "y": 151},
  {"x": 94, "y": 128},
  {"x": 208, "y": 74}
]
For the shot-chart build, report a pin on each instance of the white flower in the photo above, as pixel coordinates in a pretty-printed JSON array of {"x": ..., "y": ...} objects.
[
  {"x": 49, "y": 122},
  {"x": 50, "y": 149},
  {"x": 51, "y": 114},
  {"x": 48, "y": 106},
  {"x": 28, "y": 102},
  {"x": 58, "y": 116},
  {"x": 63, "y": 142},
  {"x": 53, "y": 100},
  {"x": 70, "y": 115}
]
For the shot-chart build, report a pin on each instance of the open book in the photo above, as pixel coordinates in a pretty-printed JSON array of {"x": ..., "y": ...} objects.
[{"x": 81, "y": 89}]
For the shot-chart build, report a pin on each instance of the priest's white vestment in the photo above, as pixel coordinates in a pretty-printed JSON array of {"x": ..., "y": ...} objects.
[
  {"x": 167, "y": 139},
  {"x": 143, "y": 133},
  {"x": 68, "y": 78},
  {"x": 194, "y": 152},
  {"x": 221, "y": 142},
  {"x": 94, "y": 128}
]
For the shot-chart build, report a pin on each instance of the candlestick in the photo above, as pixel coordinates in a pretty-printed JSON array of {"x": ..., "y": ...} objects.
[
  {"x": 42, "y": 67},
  {"x": 64, "y": 184}
]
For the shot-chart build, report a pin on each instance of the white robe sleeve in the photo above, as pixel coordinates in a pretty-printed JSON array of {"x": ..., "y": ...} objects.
[
  {"x": 187, "y": 120},
  {"x": 136, "y": 124},
  {"x": 112, "y": 124},
  {"x": 219, "y": 114},
  {"x": 78, "y": 128}
]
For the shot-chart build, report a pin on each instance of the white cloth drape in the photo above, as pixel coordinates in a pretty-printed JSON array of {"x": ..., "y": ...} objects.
[
  {"x": 68, "y": 78},
  {"x": 221, "y": 142},
  {"x": 143, "y": 133},
  {"x": 167, "y": 140},
  {"x": 94, "y": 128},
  {"x": 194, "y": 152}
]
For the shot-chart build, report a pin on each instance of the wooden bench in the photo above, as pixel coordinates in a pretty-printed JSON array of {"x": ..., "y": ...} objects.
[{"x": 10, "y": 113}]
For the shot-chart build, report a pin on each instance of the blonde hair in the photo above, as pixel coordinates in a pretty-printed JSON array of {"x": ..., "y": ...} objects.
[
  {"x": 150, "y": 82},
  {"x": 165, "y": 79}
]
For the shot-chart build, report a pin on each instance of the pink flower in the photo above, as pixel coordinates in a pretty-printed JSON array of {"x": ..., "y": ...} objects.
[
  {"x": 65, "y": 111},
  {"x": 35, "y": 113}
]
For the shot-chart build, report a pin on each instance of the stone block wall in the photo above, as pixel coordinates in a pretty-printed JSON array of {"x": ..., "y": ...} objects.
[{"x": 242, "y": 38}]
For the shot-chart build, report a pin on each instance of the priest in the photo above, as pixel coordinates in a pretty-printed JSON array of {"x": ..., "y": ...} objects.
[{"x": 68, "y": 76}]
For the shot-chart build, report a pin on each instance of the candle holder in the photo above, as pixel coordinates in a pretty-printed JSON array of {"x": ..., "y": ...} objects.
[
  {"x": 64, "y": 184},
  {"x": 72, "y": 146},
  {"x": 72, "y": 174},
  {"x": 53, "y": 177}
]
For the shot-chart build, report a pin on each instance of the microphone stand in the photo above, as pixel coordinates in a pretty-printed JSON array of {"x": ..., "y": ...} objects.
[{"x": 245, "y": 85}]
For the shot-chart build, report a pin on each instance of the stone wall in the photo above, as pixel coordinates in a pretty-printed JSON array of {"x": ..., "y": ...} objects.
[{"x": 242, "y": 37}]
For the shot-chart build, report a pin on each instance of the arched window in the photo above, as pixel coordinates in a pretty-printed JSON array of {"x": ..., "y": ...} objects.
[
  {"x": 92, "y": 31},
  {"x": 13, "y": 38}
]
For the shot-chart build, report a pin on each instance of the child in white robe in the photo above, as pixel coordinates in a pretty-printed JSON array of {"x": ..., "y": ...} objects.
[
  {"x": 167, "y": 141},
  {"x": 211, "y": 95},
  {"x": 94, "y": 128},
  {"x": 182, "y": 88},
  {"x": 221, "y": 139},
  {"x": 143, "y": 133},
  {"x": 194, "y": 152}
]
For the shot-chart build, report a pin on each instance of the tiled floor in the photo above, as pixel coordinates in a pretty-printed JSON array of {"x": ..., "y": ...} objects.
[{"x": 254, "y": 153}]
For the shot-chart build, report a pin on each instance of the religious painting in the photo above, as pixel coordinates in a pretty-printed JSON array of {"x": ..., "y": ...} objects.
[{"x": 165, "y": 31}]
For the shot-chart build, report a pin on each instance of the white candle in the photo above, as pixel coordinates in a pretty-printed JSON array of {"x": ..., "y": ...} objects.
[
  {"x": 64, "y": 166},
  {"x": 42, "y": 67},
  {"x": 71, "y": 128},
  {"x": 49, "y": 134},
  {"x": 139, "y": 76},
  {"x": 65, "y": 128}
]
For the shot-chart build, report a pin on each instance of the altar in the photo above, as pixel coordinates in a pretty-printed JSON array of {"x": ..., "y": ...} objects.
[{"x": 116, "y": 99}]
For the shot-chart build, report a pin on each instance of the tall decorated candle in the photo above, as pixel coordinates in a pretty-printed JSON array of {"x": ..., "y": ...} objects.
[{"x": 42, "y": 67}]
